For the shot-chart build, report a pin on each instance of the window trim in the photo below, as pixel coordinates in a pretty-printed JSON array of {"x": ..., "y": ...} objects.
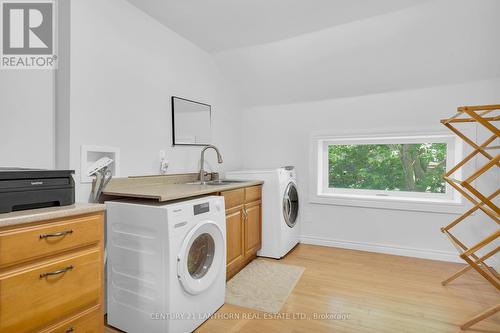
[{"x": 451, "y": 202}]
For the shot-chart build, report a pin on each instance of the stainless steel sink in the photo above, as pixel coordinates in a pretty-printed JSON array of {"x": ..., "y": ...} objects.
[{"x": 219, "y": 182}]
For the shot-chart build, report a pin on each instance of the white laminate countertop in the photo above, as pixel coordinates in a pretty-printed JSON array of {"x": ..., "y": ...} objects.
[{"x": 41, "y": 214}]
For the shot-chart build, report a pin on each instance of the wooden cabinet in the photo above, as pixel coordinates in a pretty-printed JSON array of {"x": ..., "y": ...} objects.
[
  {"x": 86, "y": 322},
  {"x": 235, "y": 231},
  {"x": 243, "y": 227},
  {"x": 253, "y": 223},
  {"x": 52, "y": 275}
]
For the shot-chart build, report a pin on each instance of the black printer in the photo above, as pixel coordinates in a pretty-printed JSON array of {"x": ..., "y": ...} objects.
[{"x": 22, "y": 189}]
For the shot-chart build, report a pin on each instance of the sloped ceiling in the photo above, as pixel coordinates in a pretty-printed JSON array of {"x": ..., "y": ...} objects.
[
  {"x": 437, "y": 43},
  {"x": 290, "y": 51},
  {"x": 217, "y": 25}
]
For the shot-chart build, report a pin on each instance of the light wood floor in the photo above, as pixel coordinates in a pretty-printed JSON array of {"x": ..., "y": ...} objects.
[{"x": 380, "y": 293}]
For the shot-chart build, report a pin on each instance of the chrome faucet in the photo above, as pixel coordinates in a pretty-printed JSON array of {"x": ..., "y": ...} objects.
[{"x": 202, "y": 161}]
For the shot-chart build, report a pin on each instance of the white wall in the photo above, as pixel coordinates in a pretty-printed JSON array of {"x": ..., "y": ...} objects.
[
  {"x": 284, "y": 139},
  {"x": 125, "y": 66},
  {"x": 27, "y": 118},
  {"x": 62, "y": 86}
]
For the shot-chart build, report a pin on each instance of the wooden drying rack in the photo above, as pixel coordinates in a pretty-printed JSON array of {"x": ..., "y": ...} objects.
[{"x": 484, "y": 116}]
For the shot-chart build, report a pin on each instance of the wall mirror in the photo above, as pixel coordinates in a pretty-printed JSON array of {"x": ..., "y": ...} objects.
[{"x": 191, "y": 122}]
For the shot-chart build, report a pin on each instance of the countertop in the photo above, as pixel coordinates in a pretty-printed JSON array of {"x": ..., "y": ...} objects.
[
  {"x": 41, "y": 214},
  {"x": 169, "y": 192}
]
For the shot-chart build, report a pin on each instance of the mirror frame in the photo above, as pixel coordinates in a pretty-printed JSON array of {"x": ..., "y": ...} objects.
[{"x": 172, "y": 99}]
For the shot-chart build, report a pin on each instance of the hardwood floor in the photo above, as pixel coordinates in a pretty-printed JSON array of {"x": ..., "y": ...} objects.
[{"x": 377, "y": 293}]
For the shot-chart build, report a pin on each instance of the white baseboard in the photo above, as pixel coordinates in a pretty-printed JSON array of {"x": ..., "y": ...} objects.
[{"x": 381, "y": 248}]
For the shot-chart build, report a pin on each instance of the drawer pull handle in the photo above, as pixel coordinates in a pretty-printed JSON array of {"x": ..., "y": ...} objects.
[
  {"x": 69, "y": 330},
  {"x": 56, "y": 234},
  {"x": 63, "y": 270}
]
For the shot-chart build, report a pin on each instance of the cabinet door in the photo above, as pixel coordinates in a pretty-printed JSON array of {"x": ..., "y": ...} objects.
[
  {"x": 253, "y": 230},
  {"x": 235, "y": 239}
]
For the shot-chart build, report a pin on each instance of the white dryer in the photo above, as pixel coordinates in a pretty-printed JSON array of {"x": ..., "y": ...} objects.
[
  {"x": 280, "y": 209},
  {"x": 166, "y": 264}
]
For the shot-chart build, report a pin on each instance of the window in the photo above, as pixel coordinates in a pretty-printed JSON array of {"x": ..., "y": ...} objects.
[
  {"x": 400, "y": 167},
  {"x": 385, "y": 168}
]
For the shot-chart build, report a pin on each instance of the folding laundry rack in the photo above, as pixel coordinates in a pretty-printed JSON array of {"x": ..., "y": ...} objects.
[{"x": 486, "y": 116}]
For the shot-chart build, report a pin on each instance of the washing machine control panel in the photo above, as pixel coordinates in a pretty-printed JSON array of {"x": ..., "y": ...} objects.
[
  {"x": 288, "y": 172},
  {"x": 201, "y": 208}
]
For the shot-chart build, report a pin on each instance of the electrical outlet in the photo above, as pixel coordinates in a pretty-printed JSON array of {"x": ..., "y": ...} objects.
[{"x": 163, "y": 162}]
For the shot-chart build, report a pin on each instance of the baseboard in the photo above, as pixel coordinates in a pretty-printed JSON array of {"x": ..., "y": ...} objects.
[{"x": 381, "y": 248}]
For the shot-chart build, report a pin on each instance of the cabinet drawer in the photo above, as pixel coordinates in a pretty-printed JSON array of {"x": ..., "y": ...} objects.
[
  {"x": 234, "y": 198},
  {"x": 23, "y": 244},
  {"x": 253, "y": 193},
  {"x": 88, "y": 322},
  {"x": 31, "y": 299}
]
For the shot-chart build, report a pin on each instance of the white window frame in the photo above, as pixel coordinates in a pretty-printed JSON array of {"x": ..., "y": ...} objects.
[{"x": 321, "y": 193}]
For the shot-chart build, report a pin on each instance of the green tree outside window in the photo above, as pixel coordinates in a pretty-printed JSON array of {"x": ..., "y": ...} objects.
[{"x": 389, "y": 167}]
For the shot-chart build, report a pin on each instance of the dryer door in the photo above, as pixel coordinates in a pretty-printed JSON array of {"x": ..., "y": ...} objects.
[
  {"x": 201, "y": 257},
  {"x": 291, "y": 205}
]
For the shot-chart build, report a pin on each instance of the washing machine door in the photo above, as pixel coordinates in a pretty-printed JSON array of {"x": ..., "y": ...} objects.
[
  {"x": 291, "y": 205},
  {"x": 201, "y": 257}
]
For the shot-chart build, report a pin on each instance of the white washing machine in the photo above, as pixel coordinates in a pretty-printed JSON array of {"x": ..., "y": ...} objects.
[
  {"x": 166, "y": 264},
  {"x": 280, "y": 209}
]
